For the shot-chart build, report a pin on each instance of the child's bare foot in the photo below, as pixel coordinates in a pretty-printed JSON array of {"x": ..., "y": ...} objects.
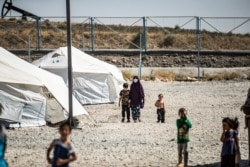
[{"x": 179, "y": 165}]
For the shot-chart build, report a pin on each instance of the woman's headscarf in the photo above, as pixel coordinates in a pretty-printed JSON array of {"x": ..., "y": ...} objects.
[{"x": 136, "y": 92}]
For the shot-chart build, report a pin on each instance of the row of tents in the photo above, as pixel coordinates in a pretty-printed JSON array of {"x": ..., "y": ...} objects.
[{"x": 33, "y": 94}]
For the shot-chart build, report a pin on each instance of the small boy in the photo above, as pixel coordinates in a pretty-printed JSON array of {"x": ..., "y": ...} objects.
[
  {"x": 160, "y": 109},
  {"x": 183, "y": 124},
  {"x": 124, "y": 99},
  {"x": 63, "y": 148}
]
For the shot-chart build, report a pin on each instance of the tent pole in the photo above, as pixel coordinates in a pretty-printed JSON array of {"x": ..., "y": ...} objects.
[{"x": 69, "y": 62}]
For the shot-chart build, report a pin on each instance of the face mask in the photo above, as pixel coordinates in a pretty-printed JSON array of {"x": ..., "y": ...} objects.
[{"x": 135, "y": 80}]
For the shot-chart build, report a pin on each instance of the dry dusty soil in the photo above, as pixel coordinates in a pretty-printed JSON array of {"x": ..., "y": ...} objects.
[{"x": 103, "y": 141}]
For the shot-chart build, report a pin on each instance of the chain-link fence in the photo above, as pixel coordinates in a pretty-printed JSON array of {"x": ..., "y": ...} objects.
[
  {"x": 146, "y": 33},
  {"x": 220, "y": 33}
]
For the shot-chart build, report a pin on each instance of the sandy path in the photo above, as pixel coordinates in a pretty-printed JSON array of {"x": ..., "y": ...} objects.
[{"x": 116, "y": 144}]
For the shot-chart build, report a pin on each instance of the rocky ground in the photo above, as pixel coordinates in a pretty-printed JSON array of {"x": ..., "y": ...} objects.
[
  {"x": 103, "y": 141},
  {"x": 206, "y": 61},
  {"x": 169, "y": 60}
]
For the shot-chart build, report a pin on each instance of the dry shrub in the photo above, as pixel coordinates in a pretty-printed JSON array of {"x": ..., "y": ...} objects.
[
  {"x": 145, "y": 78},
  {"x": 169, "y": 40},
  {"x": 136, "y": 40},
  {"x": 27, "y": 32},
  {"x": 181, "y": 77},
  {"x": 163, "y": 75},
  {"x": 233, "y": 75},
  {"x": 222, "y": 76},
  {"x": 77, "y": 37},
  {"x": 127, "y": 75}
]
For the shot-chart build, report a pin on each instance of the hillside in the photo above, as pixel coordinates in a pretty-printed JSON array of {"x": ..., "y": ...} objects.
[{"x": 15, "y": 34}]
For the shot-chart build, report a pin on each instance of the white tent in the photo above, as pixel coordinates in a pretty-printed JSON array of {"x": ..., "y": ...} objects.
[
  {"x": 31, "y": 96},
  {"x": 94, "y": 81}
]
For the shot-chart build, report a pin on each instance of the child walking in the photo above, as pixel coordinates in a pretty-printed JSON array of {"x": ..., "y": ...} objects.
[
  {"x": 124, "y": 99},
  {"x": 160, "y": 109},
  {"x": 230, "y": 140},
  {"x": 183, "y": 125},
  {"x": 63, "y": 148}
]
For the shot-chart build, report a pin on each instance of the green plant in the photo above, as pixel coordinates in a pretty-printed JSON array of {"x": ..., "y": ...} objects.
[{"x": 76, "y": 121}]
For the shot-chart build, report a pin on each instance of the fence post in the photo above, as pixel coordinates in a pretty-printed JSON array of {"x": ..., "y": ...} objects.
[
  {"x": 38, "y": 34},
  {"x": 92, "y": 33},
  {"x": 83, "y": 42},
  {"x": 139, "y": 70},
  {"x": 198, "y": 44},
  {"x": 145, "y": 32},
  {"x": 29, "y": 49}
]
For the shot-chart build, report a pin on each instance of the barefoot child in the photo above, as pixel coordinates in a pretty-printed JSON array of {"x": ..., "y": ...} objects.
[
  {"x": 124, "y": 99},
  {"x": 183, "y": 125},
  {"x": 160, "y": 109},
  {"x": 63, "y": 148},
  {"x": 230, "y": 140}
]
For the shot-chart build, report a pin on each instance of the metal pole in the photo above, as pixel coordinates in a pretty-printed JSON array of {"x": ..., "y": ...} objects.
[
  {"x": 83, "y": 42},
  {"x": 38, "y": 34},
  {"x": 29, "y": 48},
  {"x": 198, "y": 44},
  {"x": 92, "y": 33},
  {"x": 69, "y": 62},
  {"x": 145, "y": 32},
  {"x": 139, "y": 70}
]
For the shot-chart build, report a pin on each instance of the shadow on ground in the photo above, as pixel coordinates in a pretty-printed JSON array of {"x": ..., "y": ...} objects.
[{"x": 243, "y": 163}]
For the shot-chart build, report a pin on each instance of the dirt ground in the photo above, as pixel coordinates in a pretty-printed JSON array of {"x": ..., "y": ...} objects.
[{"x": 104, "y": 141}]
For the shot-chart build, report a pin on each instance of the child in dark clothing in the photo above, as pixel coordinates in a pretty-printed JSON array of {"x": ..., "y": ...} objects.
[
  {"x": 124, "y": 99},
  {"x": 230, "y": 141}
]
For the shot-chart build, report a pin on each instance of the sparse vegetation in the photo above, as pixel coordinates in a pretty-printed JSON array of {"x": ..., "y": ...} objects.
[
  {"x": 169, "y": 40},
  {"x": 127, "y": 75},
  {"x": 168, "y": 76},
  {"x": 223, "y": 76},
  {"x": 115, "y": 36},
  {"x": 15, "y": 34},
  {"x": 163, "y": 75}
]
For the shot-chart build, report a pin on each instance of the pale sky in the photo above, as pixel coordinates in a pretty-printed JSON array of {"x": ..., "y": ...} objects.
[{"x": 137, "y": 8}]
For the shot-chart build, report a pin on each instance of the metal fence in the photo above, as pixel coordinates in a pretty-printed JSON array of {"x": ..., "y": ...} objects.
[{"x": 156, "y": 32}]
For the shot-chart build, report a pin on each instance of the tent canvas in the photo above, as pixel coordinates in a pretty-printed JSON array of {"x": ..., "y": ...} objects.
[
  {"x": 22, "y": 106},
  {"x": 94, "y": 81},
  {"x": 23, "y": 84}
]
